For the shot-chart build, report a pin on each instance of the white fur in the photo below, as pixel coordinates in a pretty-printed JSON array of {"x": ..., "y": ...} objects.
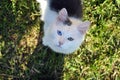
[
  {"x": 43, "y": 5},
  {"x": 68, "y": 46},
  {"x": 77, "y": 31},
  {"x": 48, "y": 16}
]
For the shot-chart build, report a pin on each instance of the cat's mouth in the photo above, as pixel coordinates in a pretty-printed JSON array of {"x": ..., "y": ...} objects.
[{"x": 59, "y": 46}]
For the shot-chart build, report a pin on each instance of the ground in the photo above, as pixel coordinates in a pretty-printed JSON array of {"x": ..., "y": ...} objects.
[{"x": 23, "y": 57}]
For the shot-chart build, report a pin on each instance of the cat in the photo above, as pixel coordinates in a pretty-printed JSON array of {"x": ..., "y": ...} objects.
[{"x": 64, "y": 30}]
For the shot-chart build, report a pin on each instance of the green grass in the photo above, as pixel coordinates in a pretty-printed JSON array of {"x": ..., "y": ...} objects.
[{"x": 23, "y": 57}]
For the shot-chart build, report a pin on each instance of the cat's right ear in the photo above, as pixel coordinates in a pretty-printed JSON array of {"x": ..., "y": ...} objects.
[{"x": 62, "y": 15}]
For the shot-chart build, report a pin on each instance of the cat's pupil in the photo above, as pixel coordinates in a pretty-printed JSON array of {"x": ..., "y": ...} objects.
[
  {"x": 70, "y": 39},
  {"x": 59, "y": 32}
]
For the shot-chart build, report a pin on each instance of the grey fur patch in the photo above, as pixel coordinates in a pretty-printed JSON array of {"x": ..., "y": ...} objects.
[{"x": 67, "y": 22}]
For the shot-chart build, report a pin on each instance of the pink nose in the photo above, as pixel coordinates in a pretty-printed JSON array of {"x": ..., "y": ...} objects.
[{"x": 60, "y": 43}]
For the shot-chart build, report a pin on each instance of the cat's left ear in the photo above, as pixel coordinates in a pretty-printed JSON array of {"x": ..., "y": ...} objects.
[
  {"x": 62, "y": 15},
  {"x": 84, "y": 26}
]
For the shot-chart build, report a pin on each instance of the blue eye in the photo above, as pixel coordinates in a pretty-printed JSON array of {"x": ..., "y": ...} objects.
[{"x": 59, "y": 33}]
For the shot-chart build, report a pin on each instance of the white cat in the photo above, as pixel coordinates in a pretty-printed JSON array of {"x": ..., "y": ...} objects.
[{"x": 63, "y": 30}]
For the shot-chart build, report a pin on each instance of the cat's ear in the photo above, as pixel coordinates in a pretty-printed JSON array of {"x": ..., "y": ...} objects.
[
  {"x": 84, "y": 26},
  {"x": 62, "y": 15}
]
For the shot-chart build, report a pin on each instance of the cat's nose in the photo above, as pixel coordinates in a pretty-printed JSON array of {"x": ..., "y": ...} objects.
[{"x": 60, "y": 43}]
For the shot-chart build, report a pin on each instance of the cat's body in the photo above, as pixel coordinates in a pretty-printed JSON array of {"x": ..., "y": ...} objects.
[{"x": 63, "y": 30}]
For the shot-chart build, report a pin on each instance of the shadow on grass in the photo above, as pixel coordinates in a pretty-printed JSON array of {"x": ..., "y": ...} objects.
[
  {"x": 47, "y": 65},
  {"x": 22, "y": 56}
]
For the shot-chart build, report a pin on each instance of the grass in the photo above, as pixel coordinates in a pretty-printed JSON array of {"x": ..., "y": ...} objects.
[{"x": 23, "y": 57}]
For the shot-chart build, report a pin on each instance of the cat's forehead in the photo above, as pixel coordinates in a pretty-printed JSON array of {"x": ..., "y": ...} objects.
[
  {"x": 67, "y": 28},
  {"x": 70, "y": 25},
  {"x": 71, "y": 22}
]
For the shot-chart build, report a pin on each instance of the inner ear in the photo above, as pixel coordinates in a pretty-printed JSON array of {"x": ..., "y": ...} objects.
[
  {"x": 84, "y": 26},
  {"x": 62, "y": 15}
]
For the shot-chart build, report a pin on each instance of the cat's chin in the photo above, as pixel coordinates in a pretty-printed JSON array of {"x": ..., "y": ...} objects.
[
  {"x": 58, "y": 49},
  {"x": 62, "y": 50}
]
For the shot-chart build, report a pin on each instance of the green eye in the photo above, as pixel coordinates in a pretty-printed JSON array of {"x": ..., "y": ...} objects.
[{"x": 70, "y": 39}]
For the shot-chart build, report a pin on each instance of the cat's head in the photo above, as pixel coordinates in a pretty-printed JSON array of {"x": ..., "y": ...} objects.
[{"x": 66, "y": 34}]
